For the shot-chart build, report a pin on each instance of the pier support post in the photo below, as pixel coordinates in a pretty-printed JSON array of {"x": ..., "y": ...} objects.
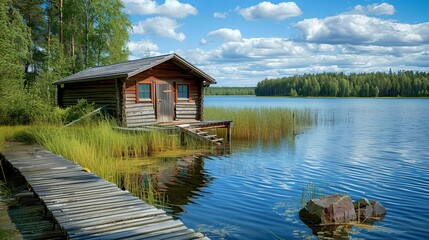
[{"x": 229, "y": 126}]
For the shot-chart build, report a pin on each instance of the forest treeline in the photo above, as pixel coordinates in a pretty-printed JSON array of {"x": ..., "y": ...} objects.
[
  {"x": 229, "y": 91},
  {"x": 404, "y": 84},
  {"x": 42, "y": 41}
]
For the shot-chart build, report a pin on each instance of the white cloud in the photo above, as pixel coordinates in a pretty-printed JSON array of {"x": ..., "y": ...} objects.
[
  {"x": 375, "y": 9},
  {"x": 268, "y": 10},
  {"x": 161, "y": 26},
  {"x": 226, "y": 34},
  {"x": 222, "y": 15},
  {"x": 203, "y": 42},
  {"x": 260, "y": 48},
  {"x": 142, "y": 49},
  {"x": 170, "y": 8},
  {"x": 251, "y": 60},
  {"x": 361, "y": 29}
]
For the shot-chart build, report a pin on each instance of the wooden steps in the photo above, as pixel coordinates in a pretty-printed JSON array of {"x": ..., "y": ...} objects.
[
  {"x": 84, "y": 205},
  {"x": 199, "y": 133}
]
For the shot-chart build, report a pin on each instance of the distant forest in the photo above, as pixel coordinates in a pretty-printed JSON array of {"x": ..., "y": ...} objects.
[
  {"x": 404, "y": 84},
  {"x": 230, "y": 91}
]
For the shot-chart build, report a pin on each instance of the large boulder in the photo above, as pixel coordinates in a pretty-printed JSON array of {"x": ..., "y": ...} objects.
[{"x": 332, "y": 209}]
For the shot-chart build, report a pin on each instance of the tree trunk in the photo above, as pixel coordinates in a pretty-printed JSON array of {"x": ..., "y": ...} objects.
[{"x": 61, "y": 21}]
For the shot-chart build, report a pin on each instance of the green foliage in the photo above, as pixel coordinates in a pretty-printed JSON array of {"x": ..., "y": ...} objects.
[
  {"x": 113, "y": 155},
  {"x": 42, "y": 41},
  {"x": 404, "y": 84},
  {"x": 75, "y": 112},
  {"x": 261, "y": 122},
  {"x": 10, "y": 133},
  {"x": 229, "y": 91},
  {"x": 95, "y": 32}
]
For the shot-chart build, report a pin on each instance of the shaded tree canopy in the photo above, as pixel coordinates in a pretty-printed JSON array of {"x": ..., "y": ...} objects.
[
  {"x": 229, "y": 91},
  {"x": 42, "y": 41},
  {"x": 404, "y": 84}
]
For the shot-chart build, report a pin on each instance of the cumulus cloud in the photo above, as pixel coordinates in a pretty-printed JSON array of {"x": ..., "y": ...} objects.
[
  {"x": 142, "y": 49},
  {"x": 361, "y": 29},
  {"x": 170, "y": 8},
  {"x": 203, "y": 42},
  {"x": 142, "y": 46},
  {"x": 222, "y": 15},
  {"x": 268, "y": 10},
  {"x": 161, "y": 26},
  {"x": 246, "y": 62},
  {"x": 375, "y": 9},
  {"x": 261, "y": 48},
  {"x": 226, "y": 34}
]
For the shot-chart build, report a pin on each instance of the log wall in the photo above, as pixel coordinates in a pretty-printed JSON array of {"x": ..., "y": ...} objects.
[
  {"x": 100, "y": 93},
  {"x": 121, "y": 100},
  {"x": 144, "y": 113},
  {"x": 137, "y": 113}
]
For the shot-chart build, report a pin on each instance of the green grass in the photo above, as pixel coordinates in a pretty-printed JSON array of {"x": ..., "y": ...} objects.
[
  {"x": 9, "y": 133},
  {"x": 253, "y": 123},
  {"x": 113, "y": 155}
]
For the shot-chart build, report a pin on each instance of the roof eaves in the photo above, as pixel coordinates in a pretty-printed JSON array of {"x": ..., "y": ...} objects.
[
  {"x": 153, "y": 64},
  {"x": 94, "y": 78},
  {"x": 186, "y": 63}
]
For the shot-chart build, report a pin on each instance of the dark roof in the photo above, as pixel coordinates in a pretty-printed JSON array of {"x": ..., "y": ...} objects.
[{"x": 131, "y": 68}]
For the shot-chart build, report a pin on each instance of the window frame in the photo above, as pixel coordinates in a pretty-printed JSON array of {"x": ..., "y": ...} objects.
[
  {"x": 150, "y": 99},
  {"x": 188, "y": 91}
]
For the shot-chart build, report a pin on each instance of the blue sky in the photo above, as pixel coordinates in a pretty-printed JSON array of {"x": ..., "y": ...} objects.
[{"x": 242, "y": 42}]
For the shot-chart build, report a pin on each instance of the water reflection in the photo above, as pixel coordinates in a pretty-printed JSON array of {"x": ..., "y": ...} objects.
[
  {"x": 375, "y": 148},
  {"x": 175, "y": 180}
]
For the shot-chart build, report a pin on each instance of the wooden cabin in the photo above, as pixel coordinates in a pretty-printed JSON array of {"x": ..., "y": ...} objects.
[{"x": 141, "y": 92}]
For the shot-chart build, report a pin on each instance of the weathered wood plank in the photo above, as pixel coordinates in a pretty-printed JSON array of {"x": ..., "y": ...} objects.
[
  {"x": 72, "y": 211},
  {"x": 87, "y": 207},
  {"x": 140, "y": 230},
  {"x": 109, "y": 219},
  {"x": 88, "y": 231},
  {"x": 141, "y": 124},
  {"x": 165, "y": 234},
  {"x": 108, "y": 213}
]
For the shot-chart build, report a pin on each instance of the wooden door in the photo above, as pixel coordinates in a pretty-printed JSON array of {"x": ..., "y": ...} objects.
[{"x": 165, "y": 102}]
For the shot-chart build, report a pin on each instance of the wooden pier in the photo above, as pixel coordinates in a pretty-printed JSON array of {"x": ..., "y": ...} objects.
[{"x": 85, "y": 206}]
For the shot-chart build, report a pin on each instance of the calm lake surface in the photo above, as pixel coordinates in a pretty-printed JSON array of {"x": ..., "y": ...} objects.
[{"x": 373, "y": 148}]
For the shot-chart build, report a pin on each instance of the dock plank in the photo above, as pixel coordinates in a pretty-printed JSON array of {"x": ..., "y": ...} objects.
[{"x": 85, "y": 206}]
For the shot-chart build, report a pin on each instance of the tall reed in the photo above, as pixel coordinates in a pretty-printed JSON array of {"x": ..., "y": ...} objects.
[
  {"x": 261, "y": 122},
  {"x": 9, "y": 132},
  {"x": 111, "y": 154}
]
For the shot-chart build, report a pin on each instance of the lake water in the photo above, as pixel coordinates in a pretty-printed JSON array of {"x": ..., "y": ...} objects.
[{"x": 373, "y": 148}]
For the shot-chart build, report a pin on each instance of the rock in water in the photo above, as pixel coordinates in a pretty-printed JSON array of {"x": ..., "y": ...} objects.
[
  {"x": 332, "y": 209},
  {"x": 378, "y": 210},
  {"x": 363, "y": 208}
]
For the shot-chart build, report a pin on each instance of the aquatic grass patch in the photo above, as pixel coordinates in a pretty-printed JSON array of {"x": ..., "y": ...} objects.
[
  {"x": 262, "y": 122},
  {"x": 113, "y": 155}
]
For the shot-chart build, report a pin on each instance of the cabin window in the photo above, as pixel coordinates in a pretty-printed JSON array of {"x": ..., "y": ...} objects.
[
  {"x": 144, "y": 92},
  {"x": 182, "y": 91}
]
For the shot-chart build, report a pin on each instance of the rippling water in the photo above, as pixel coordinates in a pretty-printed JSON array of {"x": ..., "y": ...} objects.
[{"x": 373, "y": 148}]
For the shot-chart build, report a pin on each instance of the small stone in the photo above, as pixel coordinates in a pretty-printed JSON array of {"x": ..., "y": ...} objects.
[
  {"x": 378, "y": 210},
  {"x": 363, "y": 209}
]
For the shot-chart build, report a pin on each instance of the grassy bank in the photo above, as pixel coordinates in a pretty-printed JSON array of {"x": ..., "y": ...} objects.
[
  {"x": 118, "y": 156},
  {"x": 8, "y": 133},
  {"x": 253, "y": 123},
  {"x": 113, "y": 155}
]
